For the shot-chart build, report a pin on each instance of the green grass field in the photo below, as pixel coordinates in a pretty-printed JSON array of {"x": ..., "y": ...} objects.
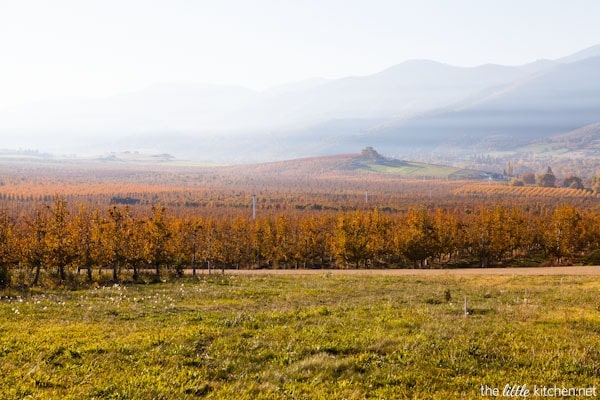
[
  {"x": 416, "y": 170},
  {"x": 301, "y": 337},
  {"x": 411, "y": 169}
]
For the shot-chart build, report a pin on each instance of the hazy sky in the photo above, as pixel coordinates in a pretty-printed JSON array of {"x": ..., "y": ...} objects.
[{"x": 60, "y": 48}]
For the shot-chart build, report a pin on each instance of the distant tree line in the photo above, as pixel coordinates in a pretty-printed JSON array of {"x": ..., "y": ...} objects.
[{"x": 547, "y": 179}]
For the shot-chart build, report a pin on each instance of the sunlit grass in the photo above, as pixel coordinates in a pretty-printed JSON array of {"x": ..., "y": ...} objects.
[
  {"x": 415, "y": 169},
  {"x": 317, "y": 336}
]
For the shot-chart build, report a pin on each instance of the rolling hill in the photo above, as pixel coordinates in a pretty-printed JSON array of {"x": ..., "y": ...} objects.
[{"x": 367, "y": 162}]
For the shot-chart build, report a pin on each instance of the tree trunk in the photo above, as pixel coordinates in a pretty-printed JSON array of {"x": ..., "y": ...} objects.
[
  {"x": 36, "y": 277},
  {"x": 115, "y": 272},
  {"x": 61, "y": 273}
]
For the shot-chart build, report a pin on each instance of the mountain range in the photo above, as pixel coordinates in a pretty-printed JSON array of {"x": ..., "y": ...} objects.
[{"x": 418, "y": 106}]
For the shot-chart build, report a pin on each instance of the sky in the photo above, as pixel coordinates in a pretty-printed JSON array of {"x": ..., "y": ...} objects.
[{"x": 97, "y": 48}]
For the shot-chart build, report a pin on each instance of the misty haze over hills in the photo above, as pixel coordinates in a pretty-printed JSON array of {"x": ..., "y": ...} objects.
[{"x": 415, "y": 106}]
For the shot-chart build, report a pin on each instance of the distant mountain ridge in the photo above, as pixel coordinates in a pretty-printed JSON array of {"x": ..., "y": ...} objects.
[
  {"x": 414, "y": 106},
  {"x": 563, "y": 98}
]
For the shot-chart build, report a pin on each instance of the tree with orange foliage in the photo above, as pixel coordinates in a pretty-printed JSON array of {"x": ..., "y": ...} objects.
[
  {"x": 416, "y": 239},
  {"x": 351, "y": 242},
  {"x": 450, "y": 234},
  {"x": 564, "y": 233},
  {"x": 314, "y": 240},
  {"x": 262, "y": 241},
  {"x": 282, "y": 246},
  {"x": 34, "y": 243},
  {"x": 497, "y": 232},
  {"x": 156, "y": 241},
  {"x": 85, "y": 226},
  {"x": 115, "y": 236},
  {"x": 7, "y": 248},
  {"x": 240, "y": 241},
  {"x": 379, "y": 229},
  {"x": 59, "y": 238}
]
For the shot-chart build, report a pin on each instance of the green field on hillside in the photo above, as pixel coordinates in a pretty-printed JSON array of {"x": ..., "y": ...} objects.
[
  {"x": 417, "y": 170},
  {"x": 303, "y": 337}
]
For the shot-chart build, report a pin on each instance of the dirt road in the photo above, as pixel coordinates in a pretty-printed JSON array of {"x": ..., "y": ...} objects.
[{"x": 531, "y": 271}]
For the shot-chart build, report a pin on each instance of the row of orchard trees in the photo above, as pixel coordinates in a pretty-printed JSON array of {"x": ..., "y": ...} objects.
[
  {"x": 61, "y": 241},
  {"x": 483, "y": 236}
]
